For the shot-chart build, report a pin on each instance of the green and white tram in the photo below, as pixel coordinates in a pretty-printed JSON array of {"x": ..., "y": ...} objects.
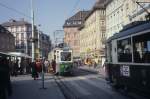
[{"x": 64, "y": 60}]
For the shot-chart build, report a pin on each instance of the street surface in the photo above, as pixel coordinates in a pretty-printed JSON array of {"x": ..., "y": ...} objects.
[
  {"x": 24, "y": 87},
  {"x": 83, "y": 85}
]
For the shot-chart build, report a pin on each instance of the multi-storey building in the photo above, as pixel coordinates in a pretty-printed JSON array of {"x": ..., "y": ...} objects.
[
  {"x": 44, "y": 44},
  {"x": 92, "y": 33},
  {"x": 22, "y": 32},
  {"x": 7, "y": 40},
  {"x": 72, "y": 37},
  {"x": 122, "y": 12}
]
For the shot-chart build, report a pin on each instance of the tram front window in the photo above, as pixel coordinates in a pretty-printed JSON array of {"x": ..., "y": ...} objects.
[
  {"x": 65, "y": 56},
  {"x": 124, "y": 50},
  {"x": 141, "y": 48}
]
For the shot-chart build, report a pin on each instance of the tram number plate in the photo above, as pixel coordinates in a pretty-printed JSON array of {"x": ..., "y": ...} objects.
[{"x": 125, "y": 71}]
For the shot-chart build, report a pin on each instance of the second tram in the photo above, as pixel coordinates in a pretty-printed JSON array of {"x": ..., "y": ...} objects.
[
  {"x": 128, "y": 58},
  {"x": 64, "y": 60}
]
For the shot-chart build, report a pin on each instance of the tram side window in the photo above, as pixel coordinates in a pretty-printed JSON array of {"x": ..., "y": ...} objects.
[
  {"x": 141, "y": 48},
  {"x": 124, "y": 50}
]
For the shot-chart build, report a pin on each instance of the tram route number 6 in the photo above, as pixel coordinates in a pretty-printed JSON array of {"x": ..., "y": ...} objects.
[{"x": 125, "y": 71}]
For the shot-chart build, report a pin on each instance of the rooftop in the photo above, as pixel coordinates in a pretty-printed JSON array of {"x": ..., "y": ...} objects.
[
  {"x": 13, "y": 22},
  {"x": 99, "y": 4},
  {"x": 76, "y": 20}
]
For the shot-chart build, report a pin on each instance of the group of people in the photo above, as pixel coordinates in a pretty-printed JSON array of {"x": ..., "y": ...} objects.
[
  {"x": 38, "y": 65},
  {"x": 20, "y": 67},
  {"x": 13, "y": 68}
]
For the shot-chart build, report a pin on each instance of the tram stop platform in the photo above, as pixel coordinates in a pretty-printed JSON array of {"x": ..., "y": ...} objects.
[{"x": 24, "y": 87}]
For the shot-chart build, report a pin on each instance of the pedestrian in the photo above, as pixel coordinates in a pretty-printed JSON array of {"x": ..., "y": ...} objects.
[
  {"x": 34, "y": 70},
  {"x": 5, "y": 84},
  {"x": 95, "y": 64},
  {"x": 54, "y": 65},
  {"x": 29, "y": 67},
  {"x": 46, "y": 64},
  {"x": 39, "y": 66},
  {"x": 16, "y": 68}
]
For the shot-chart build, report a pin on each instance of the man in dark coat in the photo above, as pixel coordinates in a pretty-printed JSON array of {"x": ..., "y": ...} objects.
[
  {"x": 54, "y": 65},
  {"x": 5, "y": 84},
  {"x": 34, "y": 70}
]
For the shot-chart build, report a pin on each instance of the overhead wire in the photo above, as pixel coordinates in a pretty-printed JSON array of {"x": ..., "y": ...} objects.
[
  {"x": 75, "y": 6},
  {"x": 14, "y": 10}
]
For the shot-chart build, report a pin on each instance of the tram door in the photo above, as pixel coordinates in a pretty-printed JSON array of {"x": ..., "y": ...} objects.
[
  {"x": 57, "y": 59},
  {"x": 114, "y": 51}
]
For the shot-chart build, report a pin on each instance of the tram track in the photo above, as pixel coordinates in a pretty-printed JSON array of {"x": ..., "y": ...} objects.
[{"x": 66, "y": 91}]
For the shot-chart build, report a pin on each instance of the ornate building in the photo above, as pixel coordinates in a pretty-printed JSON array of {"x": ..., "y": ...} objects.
[
  {"x": 92, "y": 33},
  {"x": 44, "y": 44},
  {"x": 22, "y": 32},
  {"x": 122, "y": 12},
  {"x": 72, "y": 37}
]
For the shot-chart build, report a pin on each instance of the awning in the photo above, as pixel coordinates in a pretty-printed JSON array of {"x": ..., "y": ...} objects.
[{"x": 18, "y": 54}]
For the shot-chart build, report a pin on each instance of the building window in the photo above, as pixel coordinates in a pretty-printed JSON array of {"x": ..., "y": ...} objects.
[
  {"x": 17, "y": 36},
  {"x": 79, "y": 22},
  {"x": 22, "y": 43},
  {"x": 141, "y": 19},
  {"x": 74, "y": 22},
  {"x": 68, "y": 23},
  {"x": 22, "y": 36},
  {"x": 102, "y": 22},
  {"x": 29, "y": 29},
  {"x": 22, "y": 28}
]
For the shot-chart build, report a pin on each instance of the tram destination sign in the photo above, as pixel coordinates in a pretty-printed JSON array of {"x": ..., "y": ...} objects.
[{"x": 125, "y": 70}]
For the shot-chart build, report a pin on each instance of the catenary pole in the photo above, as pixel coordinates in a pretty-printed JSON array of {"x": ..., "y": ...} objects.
[{"x": 33, "y": 40}]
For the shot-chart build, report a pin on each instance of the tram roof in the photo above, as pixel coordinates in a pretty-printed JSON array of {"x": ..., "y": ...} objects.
[{"x": 131, "y": 29}]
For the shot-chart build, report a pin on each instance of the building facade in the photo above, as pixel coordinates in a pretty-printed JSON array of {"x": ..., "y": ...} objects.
[
  {"x": 7, "y": 40},
  {"x": 22, "y": 32},
  {"x": 92, "y": 33},
  {"x": 44, "y": 45},
  {"x": 122, "y": 12},
  {"x": 72, "y": 37}
]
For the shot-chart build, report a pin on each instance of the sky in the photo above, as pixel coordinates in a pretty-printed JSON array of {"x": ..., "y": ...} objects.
[{"x": 50, "y": 14}]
